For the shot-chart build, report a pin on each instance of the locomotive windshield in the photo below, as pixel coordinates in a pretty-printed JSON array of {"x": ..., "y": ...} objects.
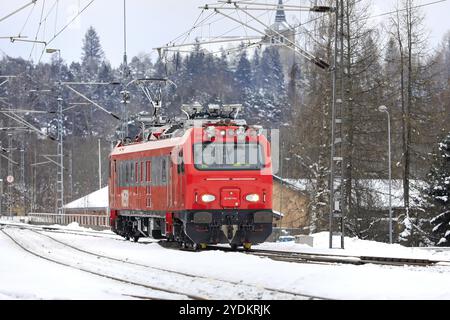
[{"x": 228, "y": 156}]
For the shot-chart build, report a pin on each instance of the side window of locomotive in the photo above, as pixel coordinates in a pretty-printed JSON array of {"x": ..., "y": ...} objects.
[
  {"x": 126, "y": 174},
  {"x": 137, "y": 173},
  {"x": 164, "y": 171},
  {"x": 119, "y": 175},
  {"x": 129, "y": 173},
  {"x": 156, "y": 171},
  {"x": 148, "y": 171},
  {"x": 180, "y": 166},
  {"x": 122, "y": 173},
  {"x": 132, "y": 173}
]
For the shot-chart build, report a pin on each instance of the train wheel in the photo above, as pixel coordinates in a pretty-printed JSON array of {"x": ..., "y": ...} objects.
[
  {"x": 234, "y": 246},
  {"x": 127, "y": 238},
  {"x": 247, "y": 246},
  {"x": 135, "y": 239}
]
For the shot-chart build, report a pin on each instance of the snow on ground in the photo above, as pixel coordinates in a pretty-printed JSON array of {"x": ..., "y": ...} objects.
[
  {"x": 358, "y": 247},
  {"x": 23, "y": 276}
]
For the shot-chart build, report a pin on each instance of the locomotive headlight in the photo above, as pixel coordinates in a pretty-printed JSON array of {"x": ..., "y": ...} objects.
[
  {"x": 240, "y": 131},
  {"x": 211, "y": 132},
  {"x": 259, "y": 130},
  {"x": 252, "y": 198},
  {"x": 207, "y": 198},
  {"x": 223, "y": 133}
]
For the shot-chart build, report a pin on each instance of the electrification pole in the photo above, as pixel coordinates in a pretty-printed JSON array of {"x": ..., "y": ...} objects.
[
  {"x": 337, "y": 206},
  {"x": 99, "y": 165},
  {"x": 10, "y": 174},
  {"x": 60, "y": 155}
]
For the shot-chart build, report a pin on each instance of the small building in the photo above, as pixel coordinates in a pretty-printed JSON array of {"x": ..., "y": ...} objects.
[
  {"x": 292, "y": 202},
  {"x": 95, "y": 203}
]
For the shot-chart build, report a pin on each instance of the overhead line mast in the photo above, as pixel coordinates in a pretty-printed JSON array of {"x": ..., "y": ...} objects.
[{"x": 337, "y": 197}]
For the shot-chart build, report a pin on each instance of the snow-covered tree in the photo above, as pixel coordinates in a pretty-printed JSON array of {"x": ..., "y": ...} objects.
[
  {"x": 243, "y": 74},
  {"x": 439, "y": 192},
  {"x": 92, "y": 54}
]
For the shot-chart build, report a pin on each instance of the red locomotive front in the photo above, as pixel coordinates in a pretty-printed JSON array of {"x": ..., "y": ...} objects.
[{"x": 203, "y": 181}]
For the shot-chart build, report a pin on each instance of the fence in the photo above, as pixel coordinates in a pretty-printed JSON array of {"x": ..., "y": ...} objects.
[{"x": 101, "y": 221}]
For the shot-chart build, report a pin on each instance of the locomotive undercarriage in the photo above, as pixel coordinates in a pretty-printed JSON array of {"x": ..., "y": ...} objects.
[
  {"x": 237, "y": 228},
  {"x": 134, "y": 227},
  {"x": 196, "y": 229}
]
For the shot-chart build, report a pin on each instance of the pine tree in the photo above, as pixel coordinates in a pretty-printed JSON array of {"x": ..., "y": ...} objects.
[
  {"x": 92, "y": 54},
  {"x": 271, "y": 72},
  {"x": 270, "y": 97},
  {"x": 243, "y": 74},
  {"x": 439, "y": 192}
]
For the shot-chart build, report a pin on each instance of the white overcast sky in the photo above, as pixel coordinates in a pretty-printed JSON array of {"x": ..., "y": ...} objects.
[{"x": 151, "y": 23}]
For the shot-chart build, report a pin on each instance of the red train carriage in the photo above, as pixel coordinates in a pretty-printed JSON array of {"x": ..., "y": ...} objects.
[{"x": 199, "y": 182}]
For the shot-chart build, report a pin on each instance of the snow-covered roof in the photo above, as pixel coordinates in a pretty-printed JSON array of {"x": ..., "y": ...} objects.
[
  {"x": 95, "y": 200},
  {"x": 377, "y": 188}
]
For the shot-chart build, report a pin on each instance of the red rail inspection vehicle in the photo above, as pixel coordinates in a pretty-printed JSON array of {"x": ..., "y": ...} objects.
[{"x": 202, "y": 180}]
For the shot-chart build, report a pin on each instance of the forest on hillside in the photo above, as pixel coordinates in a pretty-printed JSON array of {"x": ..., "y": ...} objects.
[{"x": 392, "y": 65}]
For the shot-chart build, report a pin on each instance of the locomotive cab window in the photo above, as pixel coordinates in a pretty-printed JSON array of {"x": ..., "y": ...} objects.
[{"x": 228, "y": 156}]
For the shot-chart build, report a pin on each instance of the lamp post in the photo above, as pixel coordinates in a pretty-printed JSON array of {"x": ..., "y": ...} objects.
[{"x": 386, "y": 110}]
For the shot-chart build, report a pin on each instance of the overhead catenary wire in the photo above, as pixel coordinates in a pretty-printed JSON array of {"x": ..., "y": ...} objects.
[
  {"x": 259, "y": 9},
  {"x": 319, "y": 62},
  {"x": 28, "y": 18},
  {"x": 263, "y": 4},
  {"x": 400, "y": 10},
  {"x": 196, "y": 24},
  {"x": 93, "y": 102},
  {"x": 38, "y": 29},
  {"x": 208, "y": 42},
  {"x": 33, "y": 2},
  {"x": 172, "y": 44},
  {"x": 65, "y": 27},
  {"x": 56, "y": 16}
]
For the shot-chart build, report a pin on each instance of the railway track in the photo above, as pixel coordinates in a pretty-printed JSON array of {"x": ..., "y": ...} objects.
[
  {"x": 90, "y": 233},
  {"x": 295, "y": 257},
  {"x": 159, "y": 290},
  {"x": 260, "y": 292},
  {"x": 299, "y": 257}
]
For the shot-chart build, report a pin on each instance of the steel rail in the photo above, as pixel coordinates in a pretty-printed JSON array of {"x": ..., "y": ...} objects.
[
  {"x": 18, "y": 243},
  {"x": 87, "y": 233},
  {"x": 40, "y": 230},
  {"x": 175, "y": 272},
  {"x": 303, "y": 257}
]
